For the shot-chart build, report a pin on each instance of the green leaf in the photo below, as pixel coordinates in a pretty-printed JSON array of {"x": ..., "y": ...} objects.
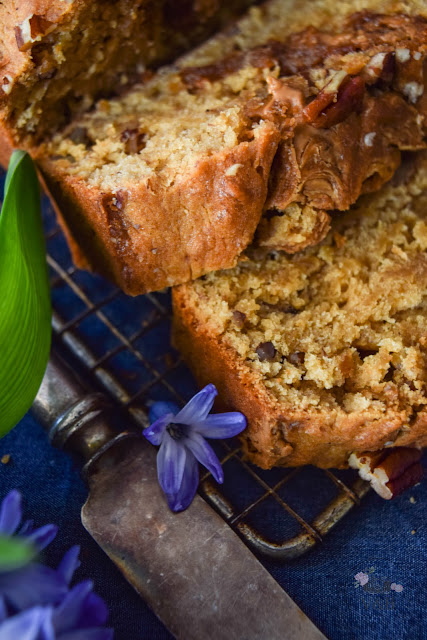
[
  {"x": 25, "y": 310},
  {"x": 14, "y": 553}
]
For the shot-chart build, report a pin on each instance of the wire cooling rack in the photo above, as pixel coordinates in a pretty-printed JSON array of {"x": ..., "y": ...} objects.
[{"x": 123, "y": 343}]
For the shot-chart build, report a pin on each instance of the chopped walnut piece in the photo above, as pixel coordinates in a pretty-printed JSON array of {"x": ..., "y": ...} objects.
[{"x": 390, "y": 472}]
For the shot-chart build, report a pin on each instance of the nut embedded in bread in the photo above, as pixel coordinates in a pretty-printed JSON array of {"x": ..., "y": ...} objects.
[
  {"x": 325, "y": 351},
  {"x": 282, "y": 132}
]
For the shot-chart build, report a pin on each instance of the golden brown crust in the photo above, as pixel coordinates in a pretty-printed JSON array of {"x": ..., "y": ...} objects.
[
  {"x": 147, "y": 246},
  {"x": 6, "y": 147},
  {"x": 354, "y": 308}
]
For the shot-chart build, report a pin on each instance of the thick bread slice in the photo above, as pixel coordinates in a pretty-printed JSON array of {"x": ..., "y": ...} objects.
[
  {"x": 57, "y": 56},
  {"x": 324, "y": 351},
  {"x": 170, "y": 181}
]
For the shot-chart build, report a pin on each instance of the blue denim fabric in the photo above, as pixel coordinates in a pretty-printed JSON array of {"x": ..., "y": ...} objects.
[{"x": 386, "y": 540}]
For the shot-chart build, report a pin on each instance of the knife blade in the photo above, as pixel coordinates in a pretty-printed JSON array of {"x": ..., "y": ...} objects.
[{"x": 191, "y": 568}]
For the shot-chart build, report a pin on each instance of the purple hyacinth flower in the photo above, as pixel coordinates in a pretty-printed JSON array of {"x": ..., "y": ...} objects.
[
  {"x": 42, "y": 623},
  {"x": 181, "y": 435},
  {"x": 36, "y": 602},
  {"x": 35, "y": 583},
  {"x": 10, "y": 519}
]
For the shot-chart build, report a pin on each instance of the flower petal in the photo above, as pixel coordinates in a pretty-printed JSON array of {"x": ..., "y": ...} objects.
[
  {"x": 3, "y": 611},
  {"x": 170, "y": 464},
  {"x": 160, "y": 408},
  {"x": 69, "y": 563},
  {"x": 94, "y": 612},
  {"x": 25, "y": 626},
  {"x": 221, "y": 425},
  {"x": 205, "y": 455},
  {"x": 67, "y": 615},
  {"x": 40, "y": 538},
  {"x": 198, "y": 407},
  {"x": 155, "y": 432},
  {"x": 31, "y": 586},
  {"x": 47, "y": 632},
  {"x": 10, "y": 512},
  {"x": 190, "y": 480},
  {"x": 26, "y": 528}
]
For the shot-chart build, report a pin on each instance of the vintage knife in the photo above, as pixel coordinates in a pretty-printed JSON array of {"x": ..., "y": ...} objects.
[{"x": 191, "y": 568}]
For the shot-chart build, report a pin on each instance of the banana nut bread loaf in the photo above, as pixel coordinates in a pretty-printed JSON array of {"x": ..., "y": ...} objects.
[
  {"x": 56, "y": 56},
  {"x": 171, "y": 180},
  {"x": 324, "y": 351}
]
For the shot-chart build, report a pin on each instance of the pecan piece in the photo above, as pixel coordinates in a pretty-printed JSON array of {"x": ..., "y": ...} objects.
[
  {"x": 31, "y": 30},
  {"x": 389, "y": 471},
  {"x": 381, "y": 67},
  {"x": 349, "y": 99},
  {"x": 388, "y": 70},
  {"x": 325, "y": 97}
]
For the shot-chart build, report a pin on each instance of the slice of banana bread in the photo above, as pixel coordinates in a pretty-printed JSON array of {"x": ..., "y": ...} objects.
[
  {"x": 325, "y": 351},
  {"x": 57, "y": 56},
  {"x": 170, "y": 181}
]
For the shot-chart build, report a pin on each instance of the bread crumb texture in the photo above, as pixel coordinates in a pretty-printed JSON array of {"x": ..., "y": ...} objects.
[
  {"x": 57, "y": 57},
  {"x": 262, "y": 142},
  {"x": 326, "y": 349},
  {"x": 164, "y": 128}
]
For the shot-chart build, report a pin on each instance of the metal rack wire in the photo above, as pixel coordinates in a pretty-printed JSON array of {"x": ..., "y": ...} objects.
[{"x": 124, "y": 344}]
